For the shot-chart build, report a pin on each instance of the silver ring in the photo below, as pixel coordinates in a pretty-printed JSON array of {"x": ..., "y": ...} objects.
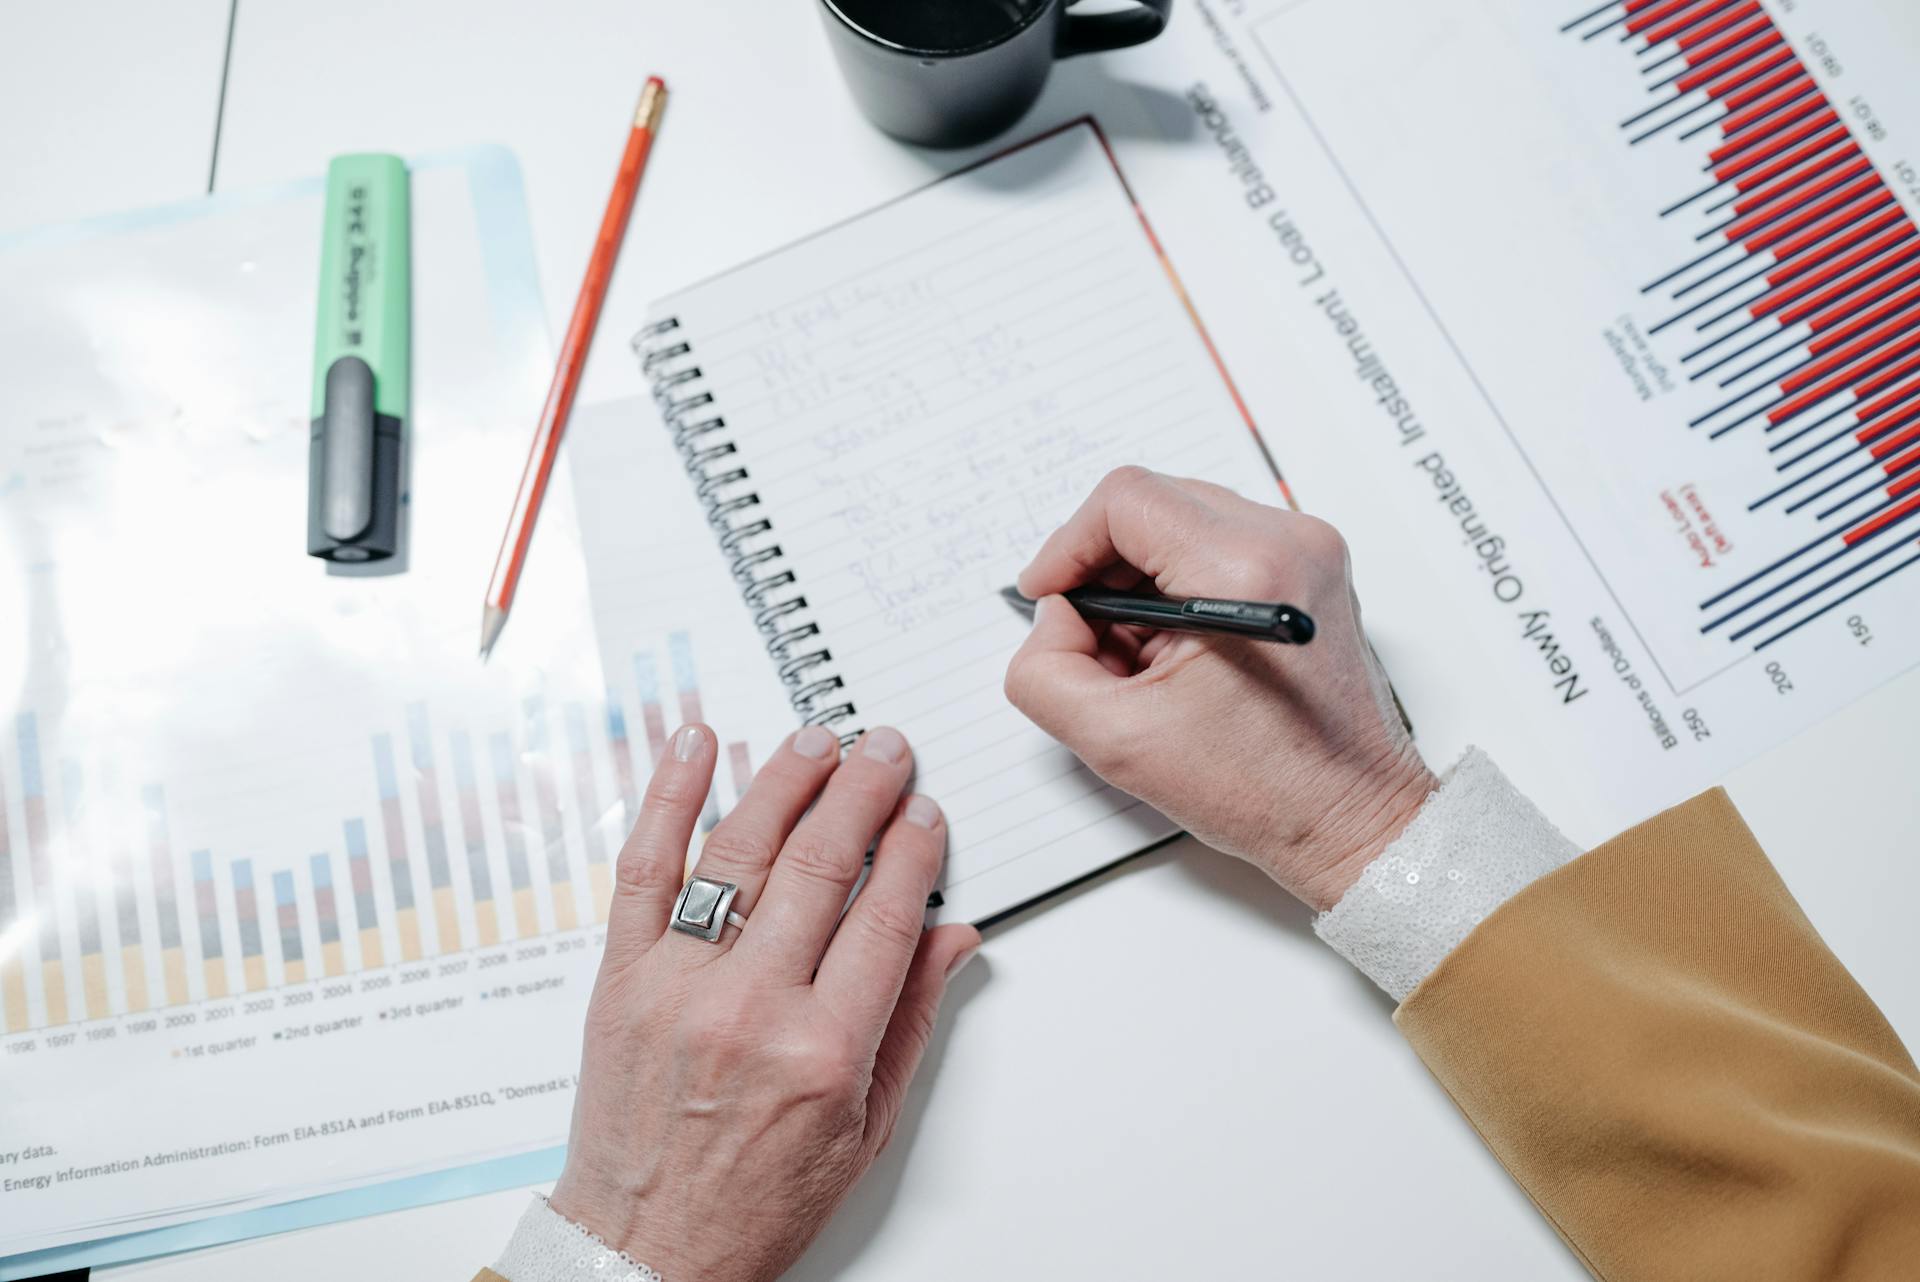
[{"x": 705, "y": 908}]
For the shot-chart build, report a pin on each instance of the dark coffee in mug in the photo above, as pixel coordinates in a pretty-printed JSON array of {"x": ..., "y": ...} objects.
[
  {"x": 948, "y": 73},
  {"x": 946, "y": 28}
]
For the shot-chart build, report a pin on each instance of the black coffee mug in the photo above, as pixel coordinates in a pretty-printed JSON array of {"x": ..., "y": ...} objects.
[{"x": 949, "y": 73}]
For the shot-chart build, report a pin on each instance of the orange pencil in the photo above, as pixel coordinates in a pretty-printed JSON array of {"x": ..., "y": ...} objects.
[{"x": 573, "y": 358}]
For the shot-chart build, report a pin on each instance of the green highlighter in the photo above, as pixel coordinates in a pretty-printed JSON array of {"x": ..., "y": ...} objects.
[{"x": 361, "y": 354}]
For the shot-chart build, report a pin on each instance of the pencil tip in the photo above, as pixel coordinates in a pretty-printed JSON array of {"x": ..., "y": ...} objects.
[{"x": 492, "y": 620}]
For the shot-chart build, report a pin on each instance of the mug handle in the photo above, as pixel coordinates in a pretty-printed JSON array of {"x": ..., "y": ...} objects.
[{"x": 1094, "y": 32}]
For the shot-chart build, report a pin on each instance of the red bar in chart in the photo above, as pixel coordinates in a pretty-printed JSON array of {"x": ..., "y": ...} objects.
[{"x": 1796, "y": 296}]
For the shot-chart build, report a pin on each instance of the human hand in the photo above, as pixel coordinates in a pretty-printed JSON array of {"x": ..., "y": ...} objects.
[
  {"x": 731, "y": 1093},
  {"x": 1291, "y": 757}
]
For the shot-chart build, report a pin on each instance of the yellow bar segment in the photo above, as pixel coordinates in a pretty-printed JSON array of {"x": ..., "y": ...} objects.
[
  {"x": 526, "y": 918},
  {"x": 446, "y": 918},
  {"x": 601, "y": 878},
  {"x": 216, "y": 970},
  {"x": 55, "y": 977},
  {"x": 372, "y": 954},
  {"x": 93, "y": 984},
  {"x": 333, "y": 959},
  {"x": 487, "y": 922},
  {"x": 408, "y": 920},
  {"x": 133, "y": 965},
  {"x": 255, "y": 969},
  {"x": 173, "y": 970},
  {"x": 13, "y": 995},
  {"x": 565, "y": 915},
  {"x": 296, "y": 971}
]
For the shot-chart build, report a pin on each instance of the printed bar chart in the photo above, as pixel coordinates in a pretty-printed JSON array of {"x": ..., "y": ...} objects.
[
  {"x": 426, "y": 783},
  {"x": 166, "y": 898},
  {"x": 326, "y": 912},
  {"x": 646, "y": 679},
  {"x": 686, "y": 685},
  {"x": 480, "y": 876},
  {"x": 114, "y": 902},
  {"x": 33, "y": 804},
  {"x": 13, "y": 979},
  {"x": 286, "y": 910},
  {"x": 249, "y": 919},
  {"x": 126, "y": 915},
  {"x": 622, "y": 761},
  {"x": 213, "y": 964},
  {"x": 594, "y": 819},
  {"x": 393, "y": 826},
  {"x": 552, "y": 829},
  {"x": 1795, "y": 300},
  {"x": 86, "y": 903},
  {"x": 365, "y": 910},
  {"x": 513, "y": 830}
]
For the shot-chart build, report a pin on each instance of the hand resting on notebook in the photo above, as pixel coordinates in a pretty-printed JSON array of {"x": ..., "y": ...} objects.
[
  {"x": 732, "y": 1091},
  {"x": 1292, "y": 758}
]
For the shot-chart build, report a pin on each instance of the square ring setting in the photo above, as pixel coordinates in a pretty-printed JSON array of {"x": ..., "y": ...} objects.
[{"x": 701, "y": 909}]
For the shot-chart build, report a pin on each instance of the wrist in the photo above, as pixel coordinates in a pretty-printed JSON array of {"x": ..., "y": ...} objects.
[
  {"x": 1357, "y": 828},
  {"x": 609, "y": 1216}
]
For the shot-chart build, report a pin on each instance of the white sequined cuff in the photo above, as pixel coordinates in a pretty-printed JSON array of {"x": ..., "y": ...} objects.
[
  {"x": 548, "y": 1247},
  {"x": 1474, "y": 845}
]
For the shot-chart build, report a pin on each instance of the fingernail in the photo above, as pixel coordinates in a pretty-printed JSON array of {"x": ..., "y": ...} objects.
[
  {"x": 815, "y": 742},
  {"x": 885, "y": 744},
  {"x": 686, "y": 743},
  {"x": 959, "y": 963},
  {"x": 922, "y": 813}
]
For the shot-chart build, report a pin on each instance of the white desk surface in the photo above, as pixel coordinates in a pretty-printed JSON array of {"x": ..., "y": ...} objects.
[{"x": 1166, "y": 1072}]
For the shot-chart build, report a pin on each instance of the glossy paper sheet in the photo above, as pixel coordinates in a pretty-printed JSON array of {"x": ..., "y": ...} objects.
[{"x": 295, "y": 894}]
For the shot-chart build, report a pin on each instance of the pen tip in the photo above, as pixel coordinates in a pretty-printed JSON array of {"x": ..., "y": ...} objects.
[{"x": 1020, "y": 604}]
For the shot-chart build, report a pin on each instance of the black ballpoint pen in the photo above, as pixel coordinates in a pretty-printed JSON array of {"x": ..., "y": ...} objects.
[{"x": 1261, "y": 620}]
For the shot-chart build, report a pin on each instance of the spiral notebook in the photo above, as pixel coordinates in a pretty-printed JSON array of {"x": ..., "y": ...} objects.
[{"x": 883, "y": 421}]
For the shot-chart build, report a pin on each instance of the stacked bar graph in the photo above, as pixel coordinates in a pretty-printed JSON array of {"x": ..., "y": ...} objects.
[
  {"x": 1793, "y": 302},
  {"x": 526, "y": 914},
  {"x": 486, "y": 916},
  {"x": 86, "y": 903},
  {"x": 13, "y": 980},
  {"x": 213, "y": 965},
  {"x": 366, "y": 909},
  {"x": 326, "y": 911},
  {"x": 598, "y": 826},
  {"x": 166, "y": 899},
  {"x": 40, "y": 868},
  {"x": 286, "y": 912},
  {"x": 399, "y": 865},
  {"x": 426, "y": 784},
  {"x": 550, "y": 830},
  {"x": 122, "y": 899},
  {"x": 248, "y": 915}
]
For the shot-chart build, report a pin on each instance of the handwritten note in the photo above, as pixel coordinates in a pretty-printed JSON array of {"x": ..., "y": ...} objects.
[{"x": 919, "y": 397}]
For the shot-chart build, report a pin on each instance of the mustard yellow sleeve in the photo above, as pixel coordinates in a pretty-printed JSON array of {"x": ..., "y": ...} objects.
[{"x": 1662, "y": 1052}]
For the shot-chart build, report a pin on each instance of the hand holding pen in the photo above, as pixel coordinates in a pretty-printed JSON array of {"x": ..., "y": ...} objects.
[{"x": 1289, "y": 756}]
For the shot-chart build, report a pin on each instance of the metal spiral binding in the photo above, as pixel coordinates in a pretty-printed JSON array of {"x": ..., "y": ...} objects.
[{"x": 722, "y": 484}]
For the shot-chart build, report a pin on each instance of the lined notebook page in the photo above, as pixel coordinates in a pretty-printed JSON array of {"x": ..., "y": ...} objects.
[{"x": 921, "y": 395}]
